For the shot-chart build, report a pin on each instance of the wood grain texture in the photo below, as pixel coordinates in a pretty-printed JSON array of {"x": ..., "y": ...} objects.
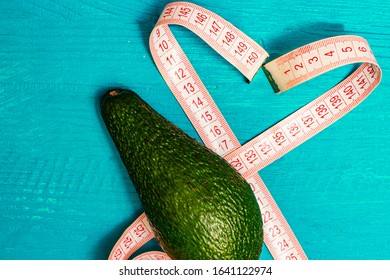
[{"x": 64, "y": 193}]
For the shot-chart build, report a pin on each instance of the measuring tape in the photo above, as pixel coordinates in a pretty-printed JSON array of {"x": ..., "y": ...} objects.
[{"x": 283, "y": 73}]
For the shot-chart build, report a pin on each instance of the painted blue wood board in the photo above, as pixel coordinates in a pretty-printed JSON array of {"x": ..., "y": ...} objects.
[{"x": 64, "y": 193}]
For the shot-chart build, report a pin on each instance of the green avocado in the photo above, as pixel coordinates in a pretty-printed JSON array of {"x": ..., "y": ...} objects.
[{"x": 198, "y": 205}]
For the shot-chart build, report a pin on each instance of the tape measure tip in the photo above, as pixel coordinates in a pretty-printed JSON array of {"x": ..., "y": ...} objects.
[{"x": 271, "y": 80}]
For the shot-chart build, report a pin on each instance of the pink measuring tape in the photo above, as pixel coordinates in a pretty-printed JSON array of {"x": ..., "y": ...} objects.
[{"x": 284, "y": 73}]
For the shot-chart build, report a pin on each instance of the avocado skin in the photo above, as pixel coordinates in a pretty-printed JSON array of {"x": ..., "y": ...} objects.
[{"x": 198, "y": 205}]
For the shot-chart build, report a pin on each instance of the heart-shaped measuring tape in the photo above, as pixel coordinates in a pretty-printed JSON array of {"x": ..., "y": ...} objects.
[{"x": 284, "y": 72}]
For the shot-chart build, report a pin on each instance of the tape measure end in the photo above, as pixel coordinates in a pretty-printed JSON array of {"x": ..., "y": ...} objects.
[{"x": 271, "y": 80}]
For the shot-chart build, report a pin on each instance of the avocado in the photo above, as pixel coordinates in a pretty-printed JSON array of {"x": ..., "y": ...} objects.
[{"x": 199, "y": 207}]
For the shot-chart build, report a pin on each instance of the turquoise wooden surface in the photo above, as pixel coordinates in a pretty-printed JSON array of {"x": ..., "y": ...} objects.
[{"x": 64, "y": 193}]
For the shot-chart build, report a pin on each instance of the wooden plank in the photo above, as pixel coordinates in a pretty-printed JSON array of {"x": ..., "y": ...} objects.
[{"x": 64, "y": 194}]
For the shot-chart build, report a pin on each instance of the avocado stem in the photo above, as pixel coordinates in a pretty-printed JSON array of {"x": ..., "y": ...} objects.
[{"x": 114, "y": 92}]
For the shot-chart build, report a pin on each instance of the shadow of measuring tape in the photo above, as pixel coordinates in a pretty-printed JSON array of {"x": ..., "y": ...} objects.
[{"x": 302, "y": 35}]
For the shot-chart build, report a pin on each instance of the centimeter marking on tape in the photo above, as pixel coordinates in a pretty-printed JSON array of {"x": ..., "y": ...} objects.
[{"x": 284, "y": 72}]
